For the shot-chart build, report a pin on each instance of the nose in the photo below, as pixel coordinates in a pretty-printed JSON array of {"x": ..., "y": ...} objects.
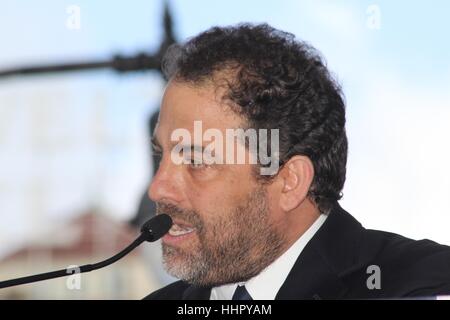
[{"x": 167, "y": 183}]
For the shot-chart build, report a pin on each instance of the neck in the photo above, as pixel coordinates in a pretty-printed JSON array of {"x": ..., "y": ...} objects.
[{"x": 298, "y": 221}]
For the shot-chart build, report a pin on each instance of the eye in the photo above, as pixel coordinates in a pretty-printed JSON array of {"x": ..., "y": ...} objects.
[
  {"x": 157, "y": 153},
  {"x": 156, "y": 150}
]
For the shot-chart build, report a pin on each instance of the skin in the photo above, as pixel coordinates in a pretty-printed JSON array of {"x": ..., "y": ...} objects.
[{"x": 214, "y": 191}]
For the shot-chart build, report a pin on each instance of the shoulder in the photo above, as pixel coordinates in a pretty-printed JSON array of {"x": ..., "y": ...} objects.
[
  {"x": 393, "y": 247},
  {"x": 420, "y": 267},
  {"x": 173, "y": 291}
]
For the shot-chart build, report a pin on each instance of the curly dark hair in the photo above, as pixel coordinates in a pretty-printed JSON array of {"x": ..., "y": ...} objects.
[{"x": 277, "y": 82}]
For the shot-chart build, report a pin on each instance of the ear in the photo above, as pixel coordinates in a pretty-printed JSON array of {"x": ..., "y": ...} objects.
[{"x": 297, "y": 175}]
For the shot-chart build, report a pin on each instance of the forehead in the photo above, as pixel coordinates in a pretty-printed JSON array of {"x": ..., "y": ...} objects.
[{"x": 183, "y": 104}]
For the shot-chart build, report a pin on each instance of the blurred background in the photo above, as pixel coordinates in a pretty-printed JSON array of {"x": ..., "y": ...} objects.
[{"x": 75, "y": 157}]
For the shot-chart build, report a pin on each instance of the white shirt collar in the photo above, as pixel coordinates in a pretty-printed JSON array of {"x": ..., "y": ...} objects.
[{"x": 266, "y": 284}]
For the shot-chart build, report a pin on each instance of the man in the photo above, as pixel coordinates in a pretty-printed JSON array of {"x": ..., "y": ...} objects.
[{"x": 243, "y": 233}]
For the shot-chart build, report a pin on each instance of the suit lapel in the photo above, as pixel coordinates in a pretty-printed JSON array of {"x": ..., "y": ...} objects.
[
  {"x": 311, "y": 279},
  {"x": 331, "y": 253},
  {"x": 196, "y": 293}
]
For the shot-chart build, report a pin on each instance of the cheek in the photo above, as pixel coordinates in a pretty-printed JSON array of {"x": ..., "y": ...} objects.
[
  {"x": 272, "y": 201},
  {"x": 215, "y": 199},
  {"x": 214, "y": 208},
  {"x": 218, "y": 191}
]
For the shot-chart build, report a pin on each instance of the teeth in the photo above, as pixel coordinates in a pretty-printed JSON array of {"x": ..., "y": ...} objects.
[{"x": 177, "y": 230}]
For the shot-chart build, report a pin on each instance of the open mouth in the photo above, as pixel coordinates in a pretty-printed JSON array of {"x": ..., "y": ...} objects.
[
  {"x": 179, "y": 230},
  {"x": 179, "y": 233}
]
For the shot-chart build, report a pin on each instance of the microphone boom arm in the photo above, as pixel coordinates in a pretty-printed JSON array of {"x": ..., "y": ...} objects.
[{"x": 151, "y": 231}]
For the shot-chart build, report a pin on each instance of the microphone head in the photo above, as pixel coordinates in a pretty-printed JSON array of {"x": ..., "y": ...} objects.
[{"x": 157, "y": 227}]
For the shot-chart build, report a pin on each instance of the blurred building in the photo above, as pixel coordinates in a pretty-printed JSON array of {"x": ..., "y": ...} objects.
[{"x": 89, "y": 238}]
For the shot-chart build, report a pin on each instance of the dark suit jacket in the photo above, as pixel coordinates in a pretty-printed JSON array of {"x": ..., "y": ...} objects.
[{"x": 334, "y": 265}]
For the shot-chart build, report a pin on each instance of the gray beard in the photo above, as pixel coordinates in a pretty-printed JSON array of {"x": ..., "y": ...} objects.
[{"x": 233, "y": 248}]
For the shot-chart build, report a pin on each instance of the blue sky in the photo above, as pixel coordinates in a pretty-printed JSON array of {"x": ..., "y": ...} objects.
[
  {"x": 411, "y": 31},
  {"x": 396, "y": 80}
]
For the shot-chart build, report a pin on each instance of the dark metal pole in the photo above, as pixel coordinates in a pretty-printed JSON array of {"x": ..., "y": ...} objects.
[{"x": 139, "y": 62}]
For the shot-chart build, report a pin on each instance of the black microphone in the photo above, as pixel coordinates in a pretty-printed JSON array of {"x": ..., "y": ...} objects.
[{"x": 151, "y": 231}]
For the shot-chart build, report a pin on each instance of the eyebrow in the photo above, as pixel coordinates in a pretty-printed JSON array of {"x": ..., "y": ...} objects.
[{"x": 156, "y": 145}]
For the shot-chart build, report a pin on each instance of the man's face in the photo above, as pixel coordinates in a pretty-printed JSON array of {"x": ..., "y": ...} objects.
[{"x": 225, "y": 223}]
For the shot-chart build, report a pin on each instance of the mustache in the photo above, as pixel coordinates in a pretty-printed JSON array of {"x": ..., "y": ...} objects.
[{"x": 189, "y": 216}]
